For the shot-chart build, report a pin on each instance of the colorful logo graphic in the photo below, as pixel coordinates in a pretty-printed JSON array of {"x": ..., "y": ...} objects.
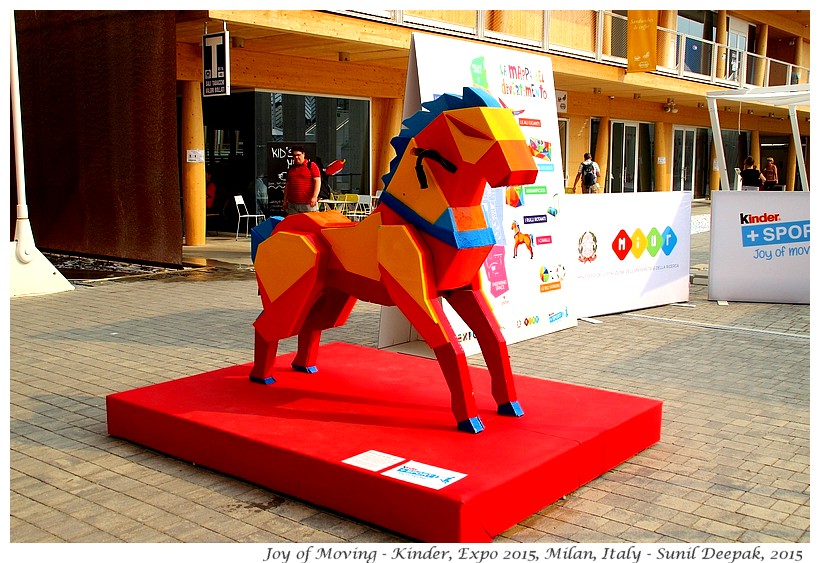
[
  {"x": 496, "y": 271},
  {"x": 551, "y": 278},
  {"x": 587, "y": 247},
  {"x": 639, "y": 243},
  {"x": 541, "y": 149},
  {"x": 766, "y": 228},
  {"x": 514, "y": 196},
  {"x": 479, "y": 73}
]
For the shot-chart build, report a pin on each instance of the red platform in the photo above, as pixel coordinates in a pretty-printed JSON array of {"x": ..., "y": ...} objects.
[{"x": 292, "y": 437}]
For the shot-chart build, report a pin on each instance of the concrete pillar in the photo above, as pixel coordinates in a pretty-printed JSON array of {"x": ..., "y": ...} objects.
[
  {"x": 663, "y": 156},
  {"x": 601, "y": 154},
  {"x": 386, "y": 114},
  {"x": 714, "y": 171},
  {"x": 193, "y": 173}
]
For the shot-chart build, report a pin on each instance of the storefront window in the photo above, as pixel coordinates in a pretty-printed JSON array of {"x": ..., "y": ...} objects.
[{"x": 338, "y": 128}]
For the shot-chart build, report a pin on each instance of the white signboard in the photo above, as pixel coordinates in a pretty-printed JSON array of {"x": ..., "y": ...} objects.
[
  {"x": 425, "y": 475},
  {"x": 760, "y": 247},
  {"x": 631, "y": 251},
  {"x": 523, "y": 276}
]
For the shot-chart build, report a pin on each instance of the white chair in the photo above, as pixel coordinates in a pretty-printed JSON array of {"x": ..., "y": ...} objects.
[
  {"x": 242, "y": 211},
  {"x": 365, "y": 206}
]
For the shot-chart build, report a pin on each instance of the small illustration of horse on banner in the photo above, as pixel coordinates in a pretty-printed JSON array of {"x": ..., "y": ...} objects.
[
  {"x": 426, "y": 239},
  {"x": 520, "y": 238}
]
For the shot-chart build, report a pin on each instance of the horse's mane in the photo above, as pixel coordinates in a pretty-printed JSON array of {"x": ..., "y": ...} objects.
[{"x": 415, "y": 124}]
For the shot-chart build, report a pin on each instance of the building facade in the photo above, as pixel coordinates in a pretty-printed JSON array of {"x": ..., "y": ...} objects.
[{"x": 334, "y": 81}]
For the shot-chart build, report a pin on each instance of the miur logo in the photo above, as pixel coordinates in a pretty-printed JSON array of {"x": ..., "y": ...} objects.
[{"x": 638, "y": 243}]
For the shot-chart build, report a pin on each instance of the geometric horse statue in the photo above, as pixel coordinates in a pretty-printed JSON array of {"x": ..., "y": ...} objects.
[{"x": 426, "y": 239}]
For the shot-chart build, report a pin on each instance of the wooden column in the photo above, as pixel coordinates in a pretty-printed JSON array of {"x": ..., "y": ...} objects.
[
  {"x": 193, "y": 173},
  {"x": 791, "y": 166},
  {"x": 754, "y": 149},
  {"x": 721, "y": 38},
  {"x": 666, "y": 39},
  {"x": 800, "y": 76},
  {"x": 386, "y": 114},
  {"x": 662, "y": 157},
  {"x": 601, "y": 154},
  {"x": 762, "y": 49}
]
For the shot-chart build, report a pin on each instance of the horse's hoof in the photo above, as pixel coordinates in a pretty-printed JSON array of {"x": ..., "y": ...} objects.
[
  {"x": 262, "y": 380},
  {"x": 511, "y": 409},
  {"x": 471, "y": 425},
  {"x": 305, "y": 369}
]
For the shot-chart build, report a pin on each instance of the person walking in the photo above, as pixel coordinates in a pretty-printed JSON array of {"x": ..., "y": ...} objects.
[
  {"x": 302, "y": 184},
  {"x": 770, "y": 173},
  {"x": 588, "y": 173}
]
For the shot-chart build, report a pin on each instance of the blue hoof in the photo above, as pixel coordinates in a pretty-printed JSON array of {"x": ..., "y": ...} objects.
[
  {"x": 511, "y": 409},
  {"x": 471, "y": 425},
  {"x": 305, "y": 369},
  {"x": 263, "y": 380}
]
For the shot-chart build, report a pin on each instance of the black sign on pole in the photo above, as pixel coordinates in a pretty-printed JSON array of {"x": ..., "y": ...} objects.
[{"x": 216, "y": 64}]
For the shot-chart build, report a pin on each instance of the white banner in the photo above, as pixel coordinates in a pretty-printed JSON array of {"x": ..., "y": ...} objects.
[
  {"x": 760, "y": 247},
  {"x": 631, "y": 251},
  {"x": 524, "y": 275}
]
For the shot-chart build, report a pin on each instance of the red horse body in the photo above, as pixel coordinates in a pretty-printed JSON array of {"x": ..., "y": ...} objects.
[{"x": 426, "y": 239}]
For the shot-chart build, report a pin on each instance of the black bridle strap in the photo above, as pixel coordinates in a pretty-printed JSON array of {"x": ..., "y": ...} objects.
[{"x": 434, "y": 155}]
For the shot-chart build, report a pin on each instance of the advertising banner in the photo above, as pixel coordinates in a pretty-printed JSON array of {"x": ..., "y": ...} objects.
[
  {"x": 759, "y": 249},
  {"x": 630, "y": 251},
  {"x": 642, "y": 40},
  {"x": 524, "y": 274}
]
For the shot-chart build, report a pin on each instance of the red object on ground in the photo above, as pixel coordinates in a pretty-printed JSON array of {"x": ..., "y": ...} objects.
[{"x": 292, "y": 437}]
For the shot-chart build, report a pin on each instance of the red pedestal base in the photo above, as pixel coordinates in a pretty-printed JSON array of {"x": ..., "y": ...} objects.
[{"x": 292, "y": 437}]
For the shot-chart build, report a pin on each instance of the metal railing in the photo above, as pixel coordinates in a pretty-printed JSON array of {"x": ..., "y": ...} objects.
[{"x": 600, "y": 36}]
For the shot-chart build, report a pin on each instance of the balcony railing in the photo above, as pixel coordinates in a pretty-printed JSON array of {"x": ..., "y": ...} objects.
[{"x": 600, "y": 36}]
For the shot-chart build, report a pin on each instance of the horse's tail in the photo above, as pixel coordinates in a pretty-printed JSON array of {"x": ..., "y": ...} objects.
[{"x": 262, "y": 232}]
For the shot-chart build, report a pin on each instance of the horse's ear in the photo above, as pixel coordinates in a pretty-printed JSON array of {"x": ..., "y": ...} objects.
[{"x": 467, "y": 129}]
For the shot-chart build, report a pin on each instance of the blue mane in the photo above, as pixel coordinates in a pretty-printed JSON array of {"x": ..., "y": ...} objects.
[{"x": 415, "y": 124}]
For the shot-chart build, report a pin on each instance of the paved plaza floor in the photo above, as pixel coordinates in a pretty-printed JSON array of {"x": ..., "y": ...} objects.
[{"x": 732, "y": 464}]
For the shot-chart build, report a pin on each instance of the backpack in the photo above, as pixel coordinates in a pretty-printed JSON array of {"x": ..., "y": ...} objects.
[{"x": 588, "y": 174}]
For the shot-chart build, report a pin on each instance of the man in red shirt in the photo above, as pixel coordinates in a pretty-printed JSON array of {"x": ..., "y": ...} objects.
[{"x": 302, "y": 184}]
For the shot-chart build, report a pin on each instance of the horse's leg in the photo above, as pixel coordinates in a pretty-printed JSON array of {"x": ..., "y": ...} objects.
[
  {"x": 405, "y": 270},
  {"x": 472, "y": 306},
  {"x": 264, "y": 356},
  {"x": 331, "y": 310},
  {"x": 529, "y": 245},
  {"x": 515, "y": 248},
  {"x": 287, "y": 294}
]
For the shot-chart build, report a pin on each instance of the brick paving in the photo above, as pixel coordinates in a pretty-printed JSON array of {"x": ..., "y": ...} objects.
[{"x": 732, "y": 464}]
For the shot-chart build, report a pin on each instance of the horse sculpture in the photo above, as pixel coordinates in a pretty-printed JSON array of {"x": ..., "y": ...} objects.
[
  {"x": 426, "y": 239},
  {"x": 520, "y": 238}
]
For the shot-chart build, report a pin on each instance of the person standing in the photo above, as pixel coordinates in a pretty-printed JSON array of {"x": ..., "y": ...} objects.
[
  {"x": 770, "y": 173},
  {"x": 588, "y": 173},
  {"x": 302, "y": 184},
  {"x": 750, "y": 177}
]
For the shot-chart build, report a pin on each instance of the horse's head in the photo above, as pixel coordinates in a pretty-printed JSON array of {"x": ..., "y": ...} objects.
[
  {"x": 446, "y": 155},
  {"x": 482, "y": 143}
]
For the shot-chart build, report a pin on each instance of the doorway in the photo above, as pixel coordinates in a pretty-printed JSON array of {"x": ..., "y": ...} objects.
[
  {"x": 683, "y": 159},
  {"x": 624, "y": 158}
]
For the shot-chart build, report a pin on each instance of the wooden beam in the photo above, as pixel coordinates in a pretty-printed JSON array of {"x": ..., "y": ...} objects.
[
  {"x": 284, "y": 73},
  {"x": 316, "y": 23}
]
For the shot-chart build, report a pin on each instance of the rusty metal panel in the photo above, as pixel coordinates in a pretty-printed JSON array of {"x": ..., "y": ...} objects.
[{"x": 98, "y": 97}]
